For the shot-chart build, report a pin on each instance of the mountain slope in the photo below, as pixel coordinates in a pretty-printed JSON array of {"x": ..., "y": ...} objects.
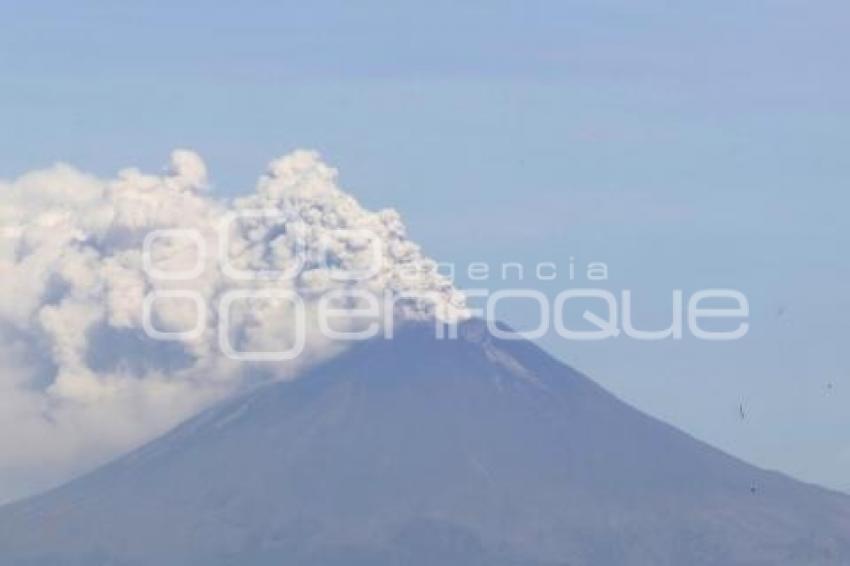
[{"x": 416, "y": 451}]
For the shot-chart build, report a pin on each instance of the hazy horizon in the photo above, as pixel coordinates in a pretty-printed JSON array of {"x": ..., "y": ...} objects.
[{"x": 685, "y": 147}]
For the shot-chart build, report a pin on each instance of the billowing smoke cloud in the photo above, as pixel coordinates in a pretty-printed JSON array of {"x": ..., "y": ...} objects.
[{"x": 110, "y": 306}]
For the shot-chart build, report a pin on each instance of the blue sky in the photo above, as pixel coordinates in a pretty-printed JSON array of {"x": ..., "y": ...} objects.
[{"x": 686, "y": 145}]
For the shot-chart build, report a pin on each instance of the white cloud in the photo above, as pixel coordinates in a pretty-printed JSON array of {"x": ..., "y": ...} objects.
[{"x": 81, "y": 381}]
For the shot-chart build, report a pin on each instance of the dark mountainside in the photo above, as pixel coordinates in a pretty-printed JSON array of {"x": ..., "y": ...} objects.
[{"x": 424, "y": 452}]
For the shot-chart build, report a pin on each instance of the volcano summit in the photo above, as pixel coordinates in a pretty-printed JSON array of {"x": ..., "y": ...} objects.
[{"x": 419, "y": 451}]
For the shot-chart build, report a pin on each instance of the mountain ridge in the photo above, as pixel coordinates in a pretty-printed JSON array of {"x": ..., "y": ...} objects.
[{"x": 409, "y": 451}]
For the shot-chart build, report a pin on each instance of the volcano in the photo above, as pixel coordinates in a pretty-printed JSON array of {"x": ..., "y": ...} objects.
[{"x": 418, "y": 451}]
